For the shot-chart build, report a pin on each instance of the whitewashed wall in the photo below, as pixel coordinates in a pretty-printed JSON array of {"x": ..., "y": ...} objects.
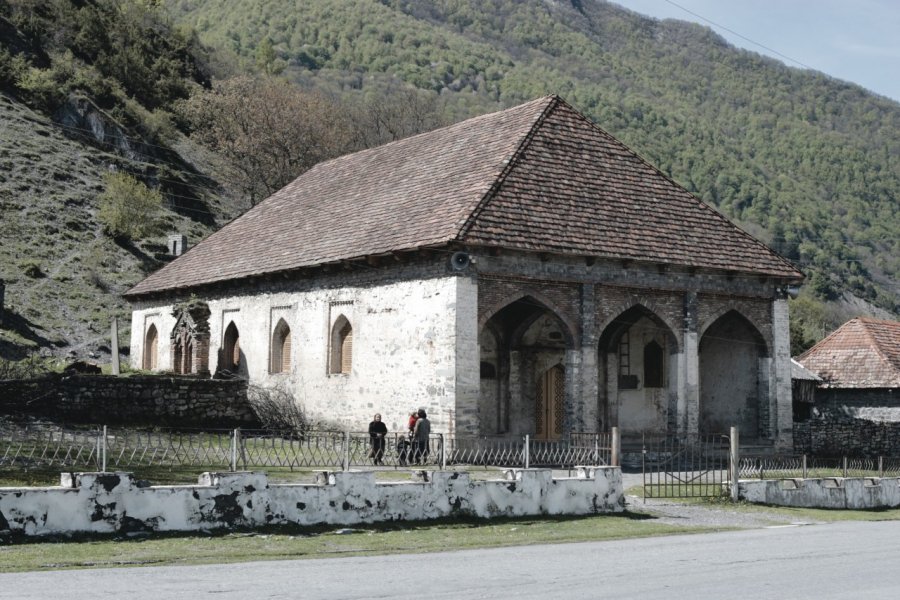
[
  {"x": 831, "y": 492},
  {"x": 405, "y": 347},
  {"x": 110, "y": 502}
]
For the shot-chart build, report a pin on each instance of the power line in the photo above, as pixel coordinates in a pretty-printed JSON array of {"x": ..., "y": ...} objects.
[{"x": 743, "y": 37}]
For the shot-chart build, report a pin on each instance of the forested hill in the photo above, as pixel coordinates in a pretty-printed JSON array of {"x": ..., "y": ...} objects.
[
  {"x": 125, "y": 121},
  {"x": 808, "y": 163}
]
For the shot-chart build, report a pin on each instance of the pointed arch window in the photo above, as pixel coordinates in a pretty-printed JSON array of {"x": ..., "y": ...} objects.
[
  {"x": 231, "y": 349},
  {"x": 151, "y": 348},
  {"x": 281, "y": 348},
  {"x": 341, "y": 346},
  {"x": 653, "y": 365}
]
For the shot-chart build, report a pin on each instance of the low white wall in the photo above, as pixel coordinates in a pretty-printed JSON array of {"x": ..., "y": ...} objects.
[
  {"x": 830, "y": 492},
  {"x": 111, "y": 502}
]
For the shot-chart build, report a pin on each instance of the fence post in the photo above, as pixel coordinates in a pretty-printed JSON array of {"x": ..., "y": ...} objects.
[
  {"x": 345, "y": 460},
  {"x": 103, "y": 469},
  {"x": 597, "y": 449},
  {"x": 616, "y": 443},
  {"x": 805, "y": 470},
  {"x": 234, "y": 443},
  {"x": 734, "y": 464},
  {"x": 527, "y": 450},
  {"x": 845, "y": 467},
  {"x": 443, "y": 453},
  {"x": 881, "y": 467}
]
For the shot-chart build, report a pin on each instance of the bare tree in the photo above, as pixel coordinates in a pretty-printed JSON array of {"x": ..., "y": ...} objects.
[
  {"x": 395, "y": 114},
  {"x": 268, "y": 130}
]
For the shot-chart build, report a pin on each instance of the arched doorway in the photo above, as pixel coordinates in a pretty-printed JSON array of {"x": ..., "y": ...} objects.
[
  {"x": 519, "y": 345},
  {"x": 638, "y": 379},
  {"x": 732, "y": 391}
]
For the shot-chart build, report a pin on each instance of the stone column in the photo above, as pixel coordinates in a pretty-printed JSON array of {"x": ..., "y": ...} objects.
[
  {"x": 467, "y": 371},
  {"x": 689, "y": 371},
  {"x": 781, "y": 402},
  {"x": 590, "y": 394}
]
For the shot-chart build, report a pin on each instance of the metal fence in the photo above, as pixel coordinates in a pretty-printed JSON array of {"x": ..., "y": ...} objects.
[
  {"x": 804, "y": 466},
  {"x": 102, "y": 448}
]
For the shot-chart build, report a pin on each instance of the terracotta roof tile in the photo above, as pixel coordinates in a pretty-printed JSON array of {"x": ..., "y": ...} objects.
[
  {"x": 538, "y": 177},
  {"x": 861, "y": 353}
]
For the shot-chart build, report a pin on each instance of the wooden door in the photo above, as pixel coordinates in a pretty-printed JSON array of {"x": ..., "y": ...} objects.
[{"x": 551, "y": 394}]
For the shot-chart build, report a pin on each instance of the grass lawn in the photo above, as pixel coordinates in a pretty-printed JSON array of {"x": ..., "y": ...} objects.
[{"x": 288, "y": 543}]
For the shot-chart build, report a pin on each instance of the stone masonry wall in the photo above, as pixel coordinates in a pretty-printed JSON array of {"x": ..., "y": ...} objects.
[
  {"x": 138, "y": 400},
  {"x": 839, "y": 433},
  {"x": 112, "y": 502}
]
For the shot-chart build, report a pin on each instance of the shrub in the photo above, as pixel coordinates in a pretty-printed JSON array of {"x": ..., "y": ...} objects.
[
  {"x": 32, "y": 269},
  {"x": 128, "y": 208},
  {"x": 276, "y": 408}
]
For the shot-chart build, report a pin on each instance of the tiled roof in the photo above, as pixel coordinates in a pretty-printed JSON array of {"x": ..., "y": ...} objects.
[
  {"x": 861, "y": 353},
  {"x": 538, "y": 176},
  {"x": 798, "y": 371}
]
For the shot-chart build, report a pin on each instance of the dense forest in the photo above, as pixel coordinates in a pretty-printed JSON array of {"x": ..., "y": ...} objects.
[{"x": 200, "y": 98}]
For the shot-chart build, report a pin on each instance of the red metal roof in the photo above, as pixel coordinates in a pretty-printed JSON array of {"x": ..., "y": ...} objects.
[{"x": 539, "y": 176}]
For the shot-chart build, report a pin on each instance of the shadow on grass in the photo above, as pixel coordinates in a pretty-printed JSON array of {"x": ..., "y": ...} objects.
[{"x": 310, "y": 531}]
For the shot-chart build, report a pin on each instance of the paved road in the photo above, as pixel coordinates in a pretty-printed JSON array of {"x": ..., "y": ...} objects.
[{"x": 842, "y": 560}]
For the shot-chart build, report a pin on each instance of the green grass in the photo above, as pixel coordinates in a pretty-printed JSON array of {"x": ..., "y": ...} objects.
[
  {"x": 294, "y": 543},
  {"x": 41, "y": 477}
]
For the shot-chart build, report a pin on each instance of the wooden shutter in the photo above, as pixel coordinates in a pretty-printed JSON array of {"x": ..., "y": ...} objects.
[
  {"x": 347, "y": 350},
  {"x": 150, "y": 349},
  {"x": 286, "y": 351}
]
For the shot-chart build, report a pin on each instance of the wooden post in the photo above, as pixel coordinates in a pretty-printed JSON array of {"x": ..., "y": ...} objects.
[
  {"x": 616, "y": 443},
  {"x": 734, "y": 464},
  {"x": 115, "y": 346}
]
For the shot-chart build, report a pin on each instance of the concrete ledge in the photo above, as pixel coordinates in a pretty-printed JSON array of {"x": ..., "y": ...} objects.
[
  {"x": 113, "y": 502},
  {"x": 827, "y": 492}
]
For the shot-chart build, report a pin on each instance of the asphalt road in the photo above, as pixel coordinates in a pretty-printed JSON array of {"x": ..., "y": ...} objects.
[{"x": 841, "y": 560}]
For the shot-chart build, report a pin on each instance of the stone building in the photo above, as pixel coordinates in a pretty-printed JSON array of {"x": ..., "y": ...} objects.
[
  {"x": 522, "y": 272},
  {"x": 859, "y": 367}
]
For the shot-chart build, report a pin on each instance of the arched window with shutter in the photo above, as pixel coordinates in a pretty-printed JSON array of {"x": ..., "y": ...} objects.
[
  {"x": 231, "y": 349},
  {"x": 281, "y": 348},
  {"x": 341, "y": 346},
  {"x": 151, "y": 348}
]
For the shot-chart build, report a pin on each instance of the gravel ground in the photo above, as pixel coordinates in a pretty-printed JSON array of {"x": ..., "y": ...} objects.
[{"x": 702, "y": 515}]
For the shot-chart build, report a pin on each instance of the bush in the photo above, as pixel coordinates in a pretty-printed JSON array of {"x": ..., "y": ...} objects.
[
  {"x": 276, "y": 408},
  {"x": 28, "y": 368},
  {"x": 128, "y": 208},
  {"x": 32, "y": 269}
]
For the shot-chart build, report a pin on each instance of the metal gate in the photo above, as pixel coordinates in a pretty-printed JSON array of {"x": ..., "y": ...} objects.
[{"x": 690, "y": 467}]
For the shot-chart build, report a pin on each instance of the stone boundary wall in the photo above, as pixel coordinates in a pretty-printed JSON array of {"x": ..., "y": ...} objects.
[
  {"x": 831, "y": 492},
  {"x": 112, "y": 502},
  {"x": 836, "y": 433},
  {"x": 137, "y": 400}
]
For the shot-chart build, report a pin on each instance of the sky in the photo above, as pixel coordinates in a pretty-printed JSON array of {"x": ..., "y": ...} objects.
[{"x": 853, "y": 40}]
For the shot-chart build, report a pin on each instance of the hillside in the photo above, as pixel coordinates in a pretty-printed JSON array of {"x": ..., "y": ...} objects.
[
  {"x": 808, "y": 163},
  {"x": 66, "y": 120},
  {"x": 805, "y": 162}
]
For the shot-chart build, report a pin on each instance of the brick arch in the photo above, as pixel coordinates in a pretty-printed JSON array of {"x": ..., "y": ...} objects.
[
  {"x": 649, "y": 306},
  {"x": 731, "y": 308},
  {"x": 571, "y": 329}
]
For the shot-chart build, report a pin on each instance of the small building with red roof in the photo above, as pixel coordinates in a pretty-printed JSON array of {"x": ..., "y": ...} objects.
[{"x": 858, "y": 363}]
